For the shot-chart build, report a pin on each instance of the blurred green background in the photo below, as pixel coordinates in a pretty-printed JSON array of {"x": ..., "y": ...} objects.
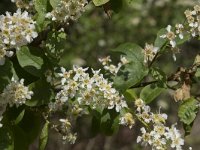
[{"x": 95, "y": 34}]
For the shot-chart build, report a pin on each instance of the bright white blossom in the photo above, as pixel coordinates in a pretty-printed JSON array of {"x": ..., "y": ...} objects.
[
  {"x": 17, "y": 30},
  {"x": 4, "y": 53},
  {"x": 66, "y": 10},
  {"x": 149, "y": 52},
  {"x": 127, "y": 120},
  {"x": 94, "y": 91},
  {"x": 160, "y": 134},
  {"x": 179, "y": 30},
  {"x": 170, "y": 35},
  {"x": 108, "y": 66},
  {"x": 193, "y": 20},
  {"x": 15, "y": 93},
  {"x": 66, "y": 132}
]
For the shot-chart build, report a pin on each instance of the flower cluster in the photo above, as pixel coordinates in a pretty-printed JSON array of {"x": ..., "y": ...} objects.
[
  {"x": 95, "y": 91},
  {"x": 22, "y": 4},
  {"x": 190, "y": 28},
  {"x": 67, "y": 135},
  {"x": 66, "y": 10},
  {"x": 15, "y": 30},
  {"x": 193, "y": 20},
  {"x": 127, "y": 120},
  {"x": 149, "y": 52},
  {"x": 170, "y": 35},
  {"x": 161, "y": 135},
  {"x": 3, "y": 53},
  {"x": 15, "y": 93},
  {"x": 108, "y": 66}
]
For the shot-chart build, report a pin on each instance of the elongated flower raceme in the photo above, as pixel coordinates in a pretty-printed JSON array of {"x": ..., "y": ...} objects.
[
  {"x": 160, "y": 137},
  {"x": 15, "y": 93},
  {"x": 80, "y": 90},
  {"x": 94, "y": 91},
  {"x": 190, "y": 28}
]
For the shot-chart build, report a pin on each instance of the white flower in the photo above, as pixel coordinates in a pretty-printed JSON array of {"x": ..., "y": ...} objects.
[
  {"x": 149, "y": 52},
  {"x": 65, "y": 123},
  {"x": 18, "y": 29},
  {"x": 124, "y": 60},
  {"x": 159, "y": 118},
  {"x": 4, "y": 53},
  {"x": 71, "y": 138},
  {"x": 145, "y": 138},
  {"x": 179, "y": 30},
  {"x": 105, "y": 60},
  {"x": 65, "y": 75},
  {"x": 139, "y": 103},
  {"x": 66, "y": 10},
  {"x": 170, "y": 36},
  {"x": 94, "y": 91},
  {"x": 108, "y": 66},
  {"x": 127, "y": 120},
  {"x": 79, "y": 72},
  {"x": 15, "y": 93},
  {"x": 160, "y": 134}
]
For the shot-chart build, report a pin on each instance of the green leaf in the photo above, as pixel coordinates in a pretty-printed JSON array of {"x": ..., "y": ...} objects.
[
  {"x": 14, "y": 115},
  {"x": 100, "y": 2},
  {"x": 159, "y": 76},
  {"x": 38, "y": 99},
  {"x": 116, "y": 5},
  {"x": 41, "y": 7},
  {"x": 6, "y": 140},
  {"x": 133, "y": 72},
  {"x": 6, "y": 73},
  {"x": 187, "y": 128},
  {"x": 24, "y": 129},
  {"x": 161, "y": 42},
  {"x": 20, "y": 116},
  {"x": 150, "y": 92},
  {"x": 44, "y": 136},
  {"x": 188, "y": 110},
  {"x": 55, "y": 46},
  {"x": 54, "y": 3},
  {"x": 197, "y": 74},
  {"x": 109, "y": 122},
  {"x": 41, "y": 23},
  {"x": 179, "y": 41},
  {"x": 95, "y": 126},
  {"x": 130, "y": 95},
  {"x": 30, "y": 125},
  {"x": 20, "y": 138},
  {"x": 30, "y": 59}
]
